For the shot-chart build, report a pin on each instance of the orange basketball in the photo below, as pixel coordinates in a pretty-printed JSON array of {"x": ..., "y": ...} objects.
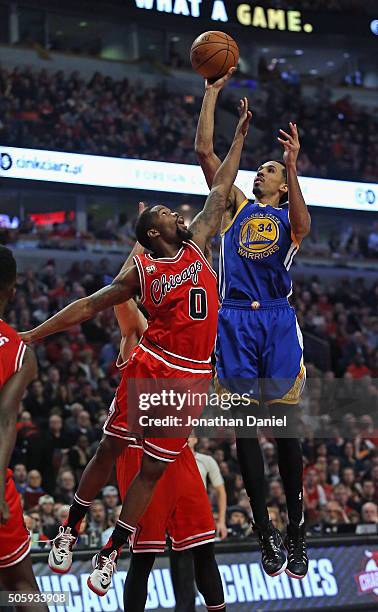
[{"x": 213, "y": 53}]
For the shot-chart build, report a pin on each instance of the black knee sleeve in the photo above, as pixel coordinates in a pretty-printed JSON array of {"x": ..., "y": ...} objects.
[
  {"x": 135, "y": 591},
  {"x": 207, "y": 575}
]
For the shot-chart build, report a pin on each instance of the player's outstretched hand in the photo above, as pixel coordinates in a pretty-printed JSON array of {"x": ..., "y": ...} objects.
[
  {"x": 291, "y": 145},
  {"x": 220, "y": 83},
  {"x": 4, "y": 512},
  {"x": 245, "y": 118},
  {"x": 141, "y": 207}
]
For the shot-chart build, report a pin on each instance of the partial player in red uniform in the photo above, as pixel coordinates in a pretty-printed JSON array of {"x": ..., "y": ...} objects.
[
  {"x": 180, "y": 290},
  {"x": 179, "y": 507},
  {"x": 18, "y": 367}
]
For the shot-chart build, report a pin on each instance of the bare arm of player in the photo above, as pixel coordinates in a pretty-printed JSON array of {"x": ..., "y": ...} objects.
[
  {"x": 204, "y": 146},
  {"x": 300, "y": 219},
  {"x": 220, "y": 492},
  {"x": 208, "y": 221},
  {"x": 132, "y": 324},
  {"x": 125, "y": 286},
  {"x": 10, "y": 399}
]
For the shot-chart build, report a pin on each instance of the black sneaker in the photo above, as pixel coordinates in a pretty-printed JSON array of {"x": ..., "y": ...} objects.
[
  {"x": 273, "y": 556},
  {"x": 295, "y": 542}
]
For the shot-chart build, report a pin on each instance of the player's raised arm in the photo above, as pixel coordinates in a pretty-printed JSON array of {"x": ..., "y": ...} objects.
[
  {"x": 204, "y": 145},
  {"x": 208, "y": 221},
  {"x": 125, "y": 286},
  {"x": 300, "y": 219},
  {"x": 10, "y": 398},
  {"x": 204, "y": 142}
]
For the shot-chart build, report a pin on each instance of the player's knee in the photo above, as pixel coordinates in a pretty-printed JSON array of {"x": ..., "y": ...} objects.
[
  {"x": 109, "y": 449},
  {"x": 152, "y": 469}
]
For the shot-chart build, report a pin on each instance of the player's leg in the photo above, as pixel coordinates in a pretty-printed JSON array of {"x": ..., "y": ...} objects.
[
  {"x": 20, "y": 578},
  {"x": 183, "y": 577},
  {"x": 135, "y": 591},
  {"x": 285, "y": 381},
  {"x": 290, "y": 463},
  {"x": 239, "y": 345},
  {"x": 207, "y": 576},
  {"x": 135, "y": 503},
  {"x": 94, "y": 478},
  {"x": 252, "y": 469},
  {"x": 192, "y": 530}
]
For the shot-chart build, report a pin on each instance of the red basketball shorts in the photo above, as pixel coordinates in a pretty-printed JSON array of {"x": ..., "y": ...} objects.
[
  {"x": 157, "y": 402},
  {"x": 14, "y": 537},
  {"x": 179, "y": 507}
]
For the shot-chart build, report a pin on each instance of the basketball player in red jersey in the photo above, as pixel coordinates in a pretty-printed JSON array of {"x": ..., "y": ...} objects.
[
  {"x": 179, "y": 289},
  {"x": 18, "y": 367},
  {"x": 180, "y": 505}
]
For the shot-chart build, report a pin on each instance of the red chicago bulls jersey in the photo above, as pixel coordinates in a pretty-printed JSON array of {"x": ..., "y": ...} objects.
[
  {"x": 12, "y": 351},
  {"x": 181, "y": 297}
]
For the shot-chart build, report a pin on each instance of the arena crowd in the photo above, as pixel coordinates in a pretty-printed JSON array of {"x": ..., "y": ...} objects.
[{"x": 103, "y": 116}]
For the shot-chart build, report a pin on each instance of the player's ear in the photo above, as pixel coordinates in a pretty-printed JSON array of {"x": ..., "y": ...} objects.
[
  {"x": 153, "y": 233},
  {"x": 283, "y": 189}
]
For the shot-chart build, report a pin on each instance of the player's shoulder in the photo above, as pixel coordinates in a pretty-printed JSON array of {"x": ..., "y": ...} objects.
[{"x": 8, "y": 334}]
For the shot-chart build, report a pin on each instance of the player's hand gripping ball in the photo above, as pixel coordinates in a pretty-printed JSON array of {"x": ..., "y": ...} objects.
[{"x": 213, "y": 53}]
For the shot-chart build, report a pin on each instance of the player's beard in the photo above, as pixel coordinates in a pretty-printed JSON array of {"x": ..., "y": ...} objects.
[
  {"x": 257, "y": 191},
  {"x": 184, "y": 233}
]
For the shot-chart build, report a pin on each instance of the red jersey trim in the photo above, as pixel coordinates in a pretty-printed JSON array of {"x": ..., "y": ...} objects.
[
  {"x": 17, "y": 555},
  {"x": 178, "y": 256},
  {"x": 119, "y": 363},
  {"x": 200, "y": 253},
  {"x": 20, "y": 357},
  {"x": 142, "y": 278},
  {"x": 182, "y": 364},
  {"x": 160, "y": 349}
]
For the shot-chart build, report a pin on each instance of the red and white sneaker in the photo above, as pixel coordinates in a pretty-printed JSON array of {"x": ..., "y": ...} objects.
[
  {"x": 60, "y": 557},
  {"x": 100, "y": 579}
]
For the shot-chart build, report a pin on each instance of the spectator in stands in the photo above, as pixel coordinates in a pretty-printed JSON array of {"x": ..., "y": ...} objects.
[
  {"x": 368, "y": 493},
  {"x": 83, "y": 426},
  {"x": 314, "y": 496},
  {"x": 238, "y": 522},
  {"x": 33, "y": 490},
  {"x": 334, "y": 471},
  {"x": 20, "y": 477},
  {"x": 333, "y": 514},
  {"x": 110, "y": 497},
  {"x": 342, "y": 496},
  {"x": 79, "y": 455},
  {"x": 98, "y": 517},
  {"x": 37, "y": 404},
  {"x": 62, "y": 513},
  {"x": 66, "y": 486},
  {"x": 56, "y": 435},
  {"x": 369, "y": 513},
  {"x": 46, "y": 512}
]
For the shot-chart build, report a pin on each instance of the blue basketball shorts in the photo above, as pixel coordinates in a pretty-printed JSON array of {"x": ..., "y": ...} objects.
[{"x": 259, "y": 351}]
